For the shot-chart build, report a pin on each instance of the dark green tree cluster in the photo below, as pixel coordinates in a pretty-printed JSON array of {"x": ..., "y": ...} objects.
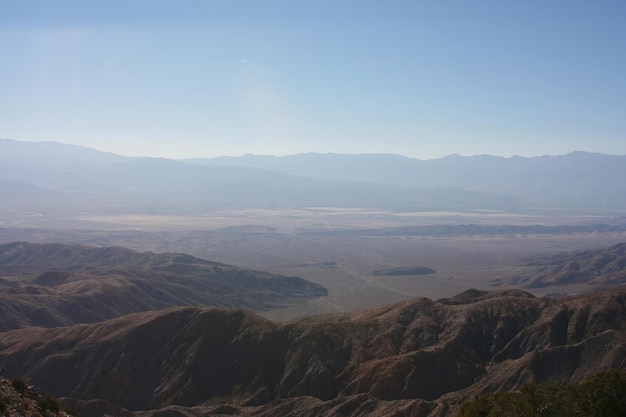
[{"x": 603, "y": 395}]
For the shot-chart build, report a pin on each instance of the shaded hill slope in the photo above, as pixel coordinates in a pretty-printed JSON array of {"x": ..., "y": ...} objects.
[
  {"x": 58, "y": 285},
  {"x": 417, "y": 358}
]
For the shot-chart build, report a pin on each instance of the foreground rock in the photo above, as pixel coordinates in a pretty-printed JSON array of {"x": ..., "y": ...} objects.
[{"x": 17, "y": 399}]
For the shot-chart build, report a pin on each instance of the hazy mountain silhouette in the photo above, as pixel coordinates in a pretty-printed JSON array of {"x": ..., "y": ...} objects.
[
  {"x": 21, "y": 193},
  {"x": 58, "y": 285},
  {"x": 577, "y": 179},
  {"x": 102, "y": 180},
  {"x": 419, "y": 357}
]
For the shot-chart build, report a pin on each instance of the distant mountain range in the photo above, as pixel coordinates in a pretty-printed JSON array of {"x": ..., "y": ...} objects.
[
  {"x": 417, "y": 358},
  {"x": 577, "y": 179},
  {"x": 58, "y": 285},
  {"x": 50, "y": 174}
]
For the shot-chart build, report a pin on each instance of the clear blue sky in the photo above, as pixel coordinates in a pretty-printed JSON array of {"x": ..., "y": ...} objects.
[{"x": 227, "y": 77}]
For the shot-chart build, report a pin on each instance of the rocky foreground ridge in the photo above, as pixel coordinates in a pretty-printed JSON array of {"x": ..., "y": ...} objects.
[
  {"x": 417, "y": 358},
  {"x": 17, "y": 399}
]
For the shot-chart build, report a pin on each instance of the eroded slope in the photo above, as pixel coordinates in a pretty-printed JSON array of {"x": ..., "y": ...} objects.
[{"x": 421, "y": 356}]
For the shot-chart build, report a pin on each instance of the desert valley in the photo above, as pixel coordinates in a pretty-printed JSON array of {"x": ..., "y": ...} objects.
[{"x": 312, "y": 285}]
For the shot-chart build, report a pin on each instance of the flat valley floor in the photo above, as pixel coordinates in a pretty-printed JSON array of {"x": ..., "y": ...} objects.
[{"x": 341, "y": 248}]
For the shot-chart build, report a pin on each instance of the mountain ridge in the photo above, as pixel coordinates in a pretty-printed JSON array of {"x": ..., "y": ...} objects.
[
  {"x": 576, "y": 180},
  {"x": 421, "y": 355}
]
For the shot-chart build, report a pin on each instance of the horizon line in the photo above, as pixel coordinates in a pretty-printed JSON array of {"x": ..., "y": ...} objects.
[{"x": 329, "y": 153}]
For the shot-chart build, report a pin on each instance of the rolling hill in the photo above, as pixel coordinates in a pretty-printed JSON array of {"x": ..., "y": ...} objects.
[
  {"x": 601, "y": 266},
  {"x": 58, "y": 285}
]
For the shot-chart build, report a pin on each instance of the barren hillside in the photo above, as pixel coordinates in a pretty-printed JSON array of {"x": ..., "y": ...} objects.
[
  {"x": 417, "y": 358},
  {"x": 57, "y": 285}
]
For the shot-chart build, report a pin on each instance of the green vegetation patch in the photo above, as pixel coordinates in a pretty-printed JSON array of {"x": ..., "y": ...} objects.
[{"x": 603, "y": 395}]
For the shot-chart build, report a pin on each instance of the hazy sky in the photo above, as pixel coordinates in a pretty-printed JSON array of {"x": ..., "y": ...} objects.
[{"x": 227, "y": 77}]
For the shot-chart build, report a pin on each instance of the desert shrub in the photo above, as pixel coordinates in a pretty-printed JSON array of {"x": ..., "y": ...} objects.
[
  {"x": 3, "y": 405},
  {"x": 70, "y": 411},
  {"x": 603, "y": 395},
  {"x": 48, "y": 402},
  {"x": 19, "y": 385},
  {"x": 498, "y": 404}
]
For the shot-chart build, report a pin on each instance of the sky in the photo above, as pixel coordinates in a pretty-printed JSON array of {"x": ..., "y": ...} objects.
[{"x": 424, "y": 79}]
